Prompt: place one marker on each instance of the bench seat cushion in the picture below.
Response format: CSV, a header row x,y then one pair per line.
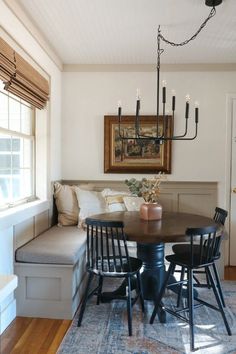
x,y
58,245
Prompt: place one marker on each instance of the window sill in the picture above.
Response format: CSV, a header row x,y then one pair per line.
x,y
16,215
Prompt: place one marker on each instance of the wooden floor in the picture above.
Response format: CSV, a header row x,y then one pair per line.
x,y
230,273
33,336
37,335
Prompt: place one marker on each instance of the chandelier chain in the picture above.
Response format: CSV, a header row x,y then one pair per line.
x,y
211,14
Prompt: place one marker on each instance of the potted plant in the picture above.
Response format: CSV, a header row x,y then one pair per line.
x,y
149,189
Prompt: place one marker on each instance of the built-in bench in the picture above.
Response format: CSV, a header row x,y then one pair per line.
x,y
51,272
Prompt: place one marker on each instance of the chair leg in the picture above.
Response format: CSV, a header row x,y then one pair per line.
x,y
196,280
218,299
140,290
191,308
172,271
218,284
99,289
129,306
161,293
85,299
180,286
207,279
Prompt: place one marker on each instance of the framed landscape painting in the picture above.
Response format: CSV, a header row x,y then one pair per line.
x,y
129,156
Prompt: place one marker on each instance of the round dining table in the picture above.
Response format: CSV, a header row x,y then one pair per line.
x,y
151,237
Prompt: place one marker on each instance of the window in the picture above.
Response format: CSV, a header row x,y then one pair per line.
x,y
17,141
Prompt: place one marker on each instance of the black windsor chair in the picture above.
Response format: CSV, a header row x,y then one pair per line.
x,y
107,256
219,217
208,245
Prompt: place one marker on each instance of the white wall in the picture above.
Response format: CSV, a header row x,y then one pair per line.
x,y
88,96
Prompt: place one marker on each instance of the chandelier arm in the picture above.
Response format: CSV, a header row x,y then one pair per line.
x,y
149,137
137,123
163,122
186,138
120,135
211,14
119,125
185,132
191,138
158,95
152,138
159,52
174,137
165,126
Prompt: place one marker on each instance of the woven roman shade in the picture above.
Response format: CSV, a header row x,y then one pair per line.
x,y
7,66
21,79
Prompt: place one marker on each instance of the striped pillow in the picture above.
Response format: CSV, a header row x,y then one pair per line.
x,y
114,199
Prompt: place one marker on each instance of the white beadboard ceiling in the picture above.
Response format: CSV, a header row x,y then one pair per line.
x,y
124,31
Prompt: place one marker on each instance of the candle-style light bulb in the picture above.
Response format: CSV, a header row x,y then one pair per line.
x,y
138,94
164,83
187,97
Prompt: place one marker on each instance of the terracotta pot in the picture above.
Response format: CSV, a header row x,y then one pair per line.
x,y
150,211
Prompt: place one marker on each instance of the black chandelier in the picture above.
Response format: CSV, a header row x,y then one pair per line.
x,y
166,133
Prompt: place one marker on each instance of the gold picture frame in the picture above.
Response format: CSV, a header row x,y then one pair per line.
x,y
132,157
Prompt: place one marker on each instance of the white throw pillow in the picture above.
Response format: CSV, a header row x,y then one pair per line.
x,y
133,203
114,199
90,203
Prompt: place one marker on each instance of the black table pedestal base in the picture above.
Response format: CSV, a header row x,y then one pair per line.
x,y
152,275
153,271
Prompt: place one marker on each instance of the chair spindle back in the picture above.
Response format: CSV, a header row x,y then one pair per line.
x,y
208,240
220,215
107,249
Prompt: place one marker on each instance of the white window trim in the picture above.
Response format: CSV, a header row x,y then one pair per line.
x,y
20,213
28,137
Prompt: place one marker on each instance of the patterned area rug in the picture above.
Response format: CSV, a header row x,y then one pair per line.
x,y
104,329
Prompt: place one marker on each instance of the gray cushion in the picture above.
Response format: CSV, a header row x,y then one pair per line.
x,y
58,245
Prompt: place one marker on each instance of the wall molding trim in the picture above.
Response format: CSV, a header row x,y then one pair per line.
x,y
148,67
18,11
191,197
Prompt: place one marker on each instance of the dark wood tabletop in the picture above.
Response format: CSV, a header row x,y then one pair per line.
x,y
171,228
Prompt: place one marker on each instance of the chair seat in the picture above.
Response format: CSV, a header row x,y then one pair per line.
x,y
181,248
113,267
184,248
183,260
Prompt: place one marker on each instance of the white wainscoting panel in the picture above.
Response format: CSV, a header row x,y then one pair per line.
x,y
23,232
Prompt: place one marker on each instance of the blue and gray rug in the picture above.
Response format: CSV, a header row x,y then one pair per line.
x,y
104,329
